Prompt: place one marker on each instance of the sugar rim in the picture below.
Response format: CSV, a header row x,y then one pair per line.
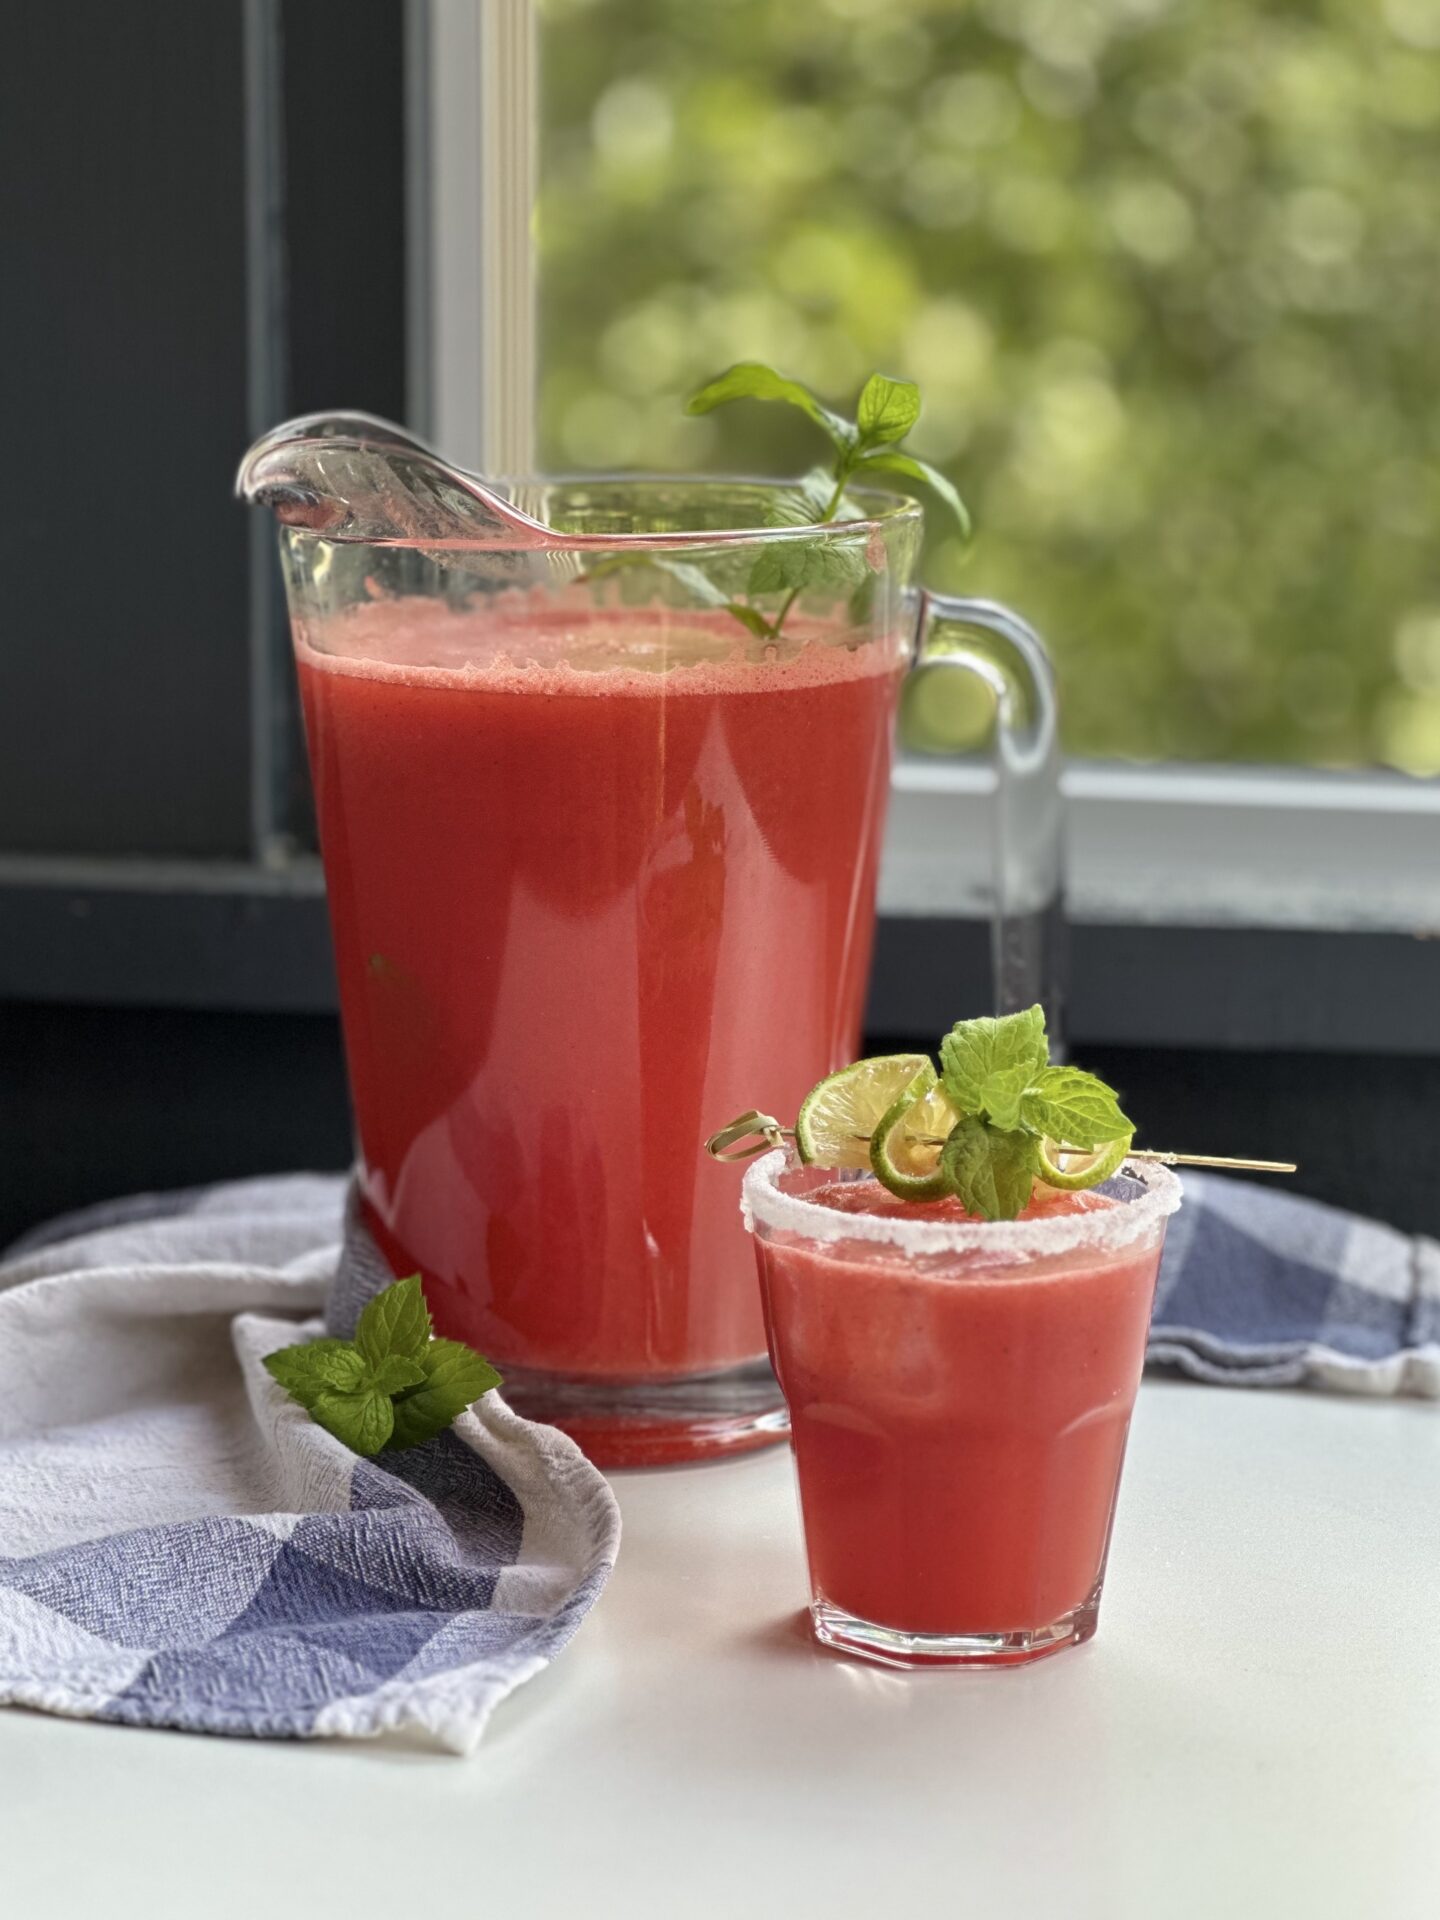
x,y
762,1201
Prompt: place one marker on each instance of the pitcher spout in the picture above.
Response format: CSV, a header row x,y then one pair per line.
x,y
351,476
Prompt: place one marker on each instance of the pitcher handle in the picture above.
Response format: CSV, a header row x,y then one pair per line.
x,y
1027,833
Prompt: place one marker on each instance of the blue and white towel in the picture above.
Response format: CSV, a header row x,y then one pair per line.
x,y
181,1545
1261,1288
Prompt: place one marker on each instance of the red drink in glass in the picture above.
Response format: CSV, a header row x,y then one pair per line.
x,y
960,1396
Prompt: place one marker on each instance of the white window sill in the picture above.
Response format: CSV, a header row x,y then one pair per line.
x,y
1186,846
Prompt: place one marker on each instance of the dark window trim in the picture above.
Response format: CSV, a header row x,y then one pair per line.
x,y
230,936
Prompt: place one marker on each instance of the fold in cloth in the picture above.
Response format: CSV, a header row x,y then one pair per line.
x,y
182,1546
1260,1288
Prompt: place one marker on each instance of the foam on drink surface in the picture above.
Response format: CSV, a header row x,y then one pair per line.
x,y
869,1197
551,648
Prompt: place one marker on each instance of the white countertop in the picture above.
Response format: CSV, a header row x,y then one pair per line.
x,y
1254,1732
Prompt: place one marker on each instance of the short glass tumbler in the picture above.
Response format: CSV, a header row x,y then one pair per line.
x,y
960,1394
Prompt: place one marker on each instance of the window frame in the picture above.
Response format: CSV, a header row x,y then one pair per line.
x,y
1187,845
237,936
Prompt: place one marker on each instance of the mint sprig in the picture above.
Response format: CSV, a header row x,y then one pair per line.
x,y
999,1119
987,1065
997,1076
990,1169
869,444
394,1385
753,380
1077,1108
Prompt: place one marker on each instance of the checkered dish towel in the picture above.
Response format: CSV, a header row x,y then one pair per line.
x,y
181,1545
1261,1288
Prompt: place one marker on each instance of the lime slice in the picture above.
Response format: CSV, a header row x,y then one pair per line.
x,y
1071,1168
905,1150
834,1126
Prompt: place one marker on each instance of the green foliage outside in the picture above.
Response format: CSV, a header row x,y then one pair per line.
x,y
1167,272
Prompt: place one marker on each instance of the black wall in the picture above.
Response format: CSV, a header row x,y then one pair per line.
x,y
96,1102
201,231
123,670
130,386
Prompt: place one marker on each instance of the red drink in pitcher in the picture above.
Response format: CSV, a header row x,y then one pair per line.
x,y
601,769
576,912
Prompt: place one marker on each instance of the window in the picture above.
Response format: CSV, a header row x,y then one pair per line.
x,y
1167,274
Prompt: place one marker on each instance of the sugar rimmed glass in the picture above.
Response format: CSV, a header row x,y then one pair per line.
x,y
960,1395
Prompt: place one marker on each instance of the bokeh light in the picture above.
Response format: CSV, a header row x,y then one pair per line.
x,y
1166,270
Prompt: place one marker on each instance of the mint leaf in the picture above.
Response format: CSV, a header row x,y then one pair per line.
x,y
750,380
779,567
891,461
752,618
702,589
394,1374
1074,1108
807,503
314,1367
395,1321
695,580
361,1421
453,1368
836,563
455,1377
697,583
974,1050
1000,1096
791,565
991,1170
888,409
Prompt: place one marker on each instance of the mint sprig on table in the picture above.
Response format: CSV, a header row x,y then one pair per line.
x,y
865,446
994,1120
394,1385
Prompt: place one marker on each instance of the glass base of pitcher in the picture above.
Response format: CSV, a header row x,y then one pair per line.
x,y
656,1423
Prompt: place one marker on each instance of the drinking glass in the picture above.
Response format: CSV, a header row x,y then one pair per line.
x,y
960,1394
601,769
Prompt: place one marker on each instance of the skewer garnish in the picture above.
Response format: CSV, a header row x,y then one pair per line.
x,y
765,1133
995,1119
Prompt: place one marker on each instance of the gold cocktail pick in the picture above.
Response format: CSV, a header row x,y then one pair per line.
x,y
724,1145
1212,1160
762,1131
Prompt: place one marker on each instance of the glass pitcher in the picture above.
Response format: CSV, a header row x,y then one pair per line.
x,y
601,769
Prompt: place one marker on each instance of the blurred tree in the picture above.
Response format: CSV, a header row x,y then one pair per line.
x,y
1167,272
